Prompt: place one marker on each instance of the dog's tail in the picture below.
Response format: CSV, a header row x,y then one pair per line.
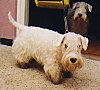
x,y
11,20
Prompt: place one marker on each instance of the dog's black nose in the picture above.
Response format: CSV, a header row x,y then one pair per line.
x,y
73,60
80,15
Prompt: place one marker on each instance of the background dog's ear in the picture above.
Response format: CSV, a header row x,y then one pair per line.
x,y
89,7
75,5
84,42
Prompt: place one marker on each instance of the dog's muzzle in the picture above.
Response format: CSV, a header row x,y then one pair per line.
x,y
79,16
72,61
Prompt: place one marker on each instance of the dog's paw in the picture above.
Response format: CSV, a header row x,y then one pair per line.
x,y
53,73
23,65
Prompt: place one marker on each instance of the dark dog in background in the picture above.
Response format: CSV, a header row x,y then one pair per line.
x,y
78,18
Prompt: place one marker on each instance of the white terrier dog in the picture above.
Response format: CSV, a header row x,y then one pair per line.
x,y
56,52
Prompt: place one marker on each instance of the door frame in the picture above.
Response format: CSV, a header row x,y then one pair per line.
x,y
22,13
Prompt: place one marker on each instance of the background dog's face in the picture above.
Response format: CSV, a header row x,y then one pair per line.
x,y
81,9
72,45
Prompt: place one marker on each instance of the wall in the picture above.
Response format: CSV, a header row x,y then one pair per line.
x,y
6,29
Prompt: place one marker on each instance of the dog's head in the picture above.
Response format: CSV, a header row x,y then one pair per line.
x,y
71,46
81,9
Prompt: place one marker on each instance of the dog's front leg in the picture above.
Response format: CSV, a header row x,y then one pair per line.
x,y
53,71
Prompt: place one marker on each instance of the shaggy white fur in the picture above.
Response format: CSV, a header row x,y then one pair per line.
x,y
56,52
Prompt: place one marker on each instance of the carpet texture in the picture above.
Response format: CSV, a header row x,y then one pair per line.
x,y
14,78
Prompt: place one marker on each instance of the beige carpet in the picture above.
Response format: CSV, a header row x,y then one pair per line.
x,y
14,78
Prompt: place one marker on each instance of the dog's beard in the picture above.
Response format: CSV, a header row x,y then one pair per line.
x,y
70,66
80,19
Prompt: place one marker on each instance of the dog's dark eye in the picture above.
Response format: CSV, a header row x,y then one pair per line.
x,y
76,7
66,46
79,46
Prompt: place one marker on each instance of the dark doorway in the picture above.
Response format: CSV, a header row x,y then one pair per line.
x,y
46,17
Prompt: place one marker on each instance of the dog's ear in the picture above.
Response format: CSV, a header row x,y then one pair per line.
x,y
84,42
75,5
59,41
89,7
